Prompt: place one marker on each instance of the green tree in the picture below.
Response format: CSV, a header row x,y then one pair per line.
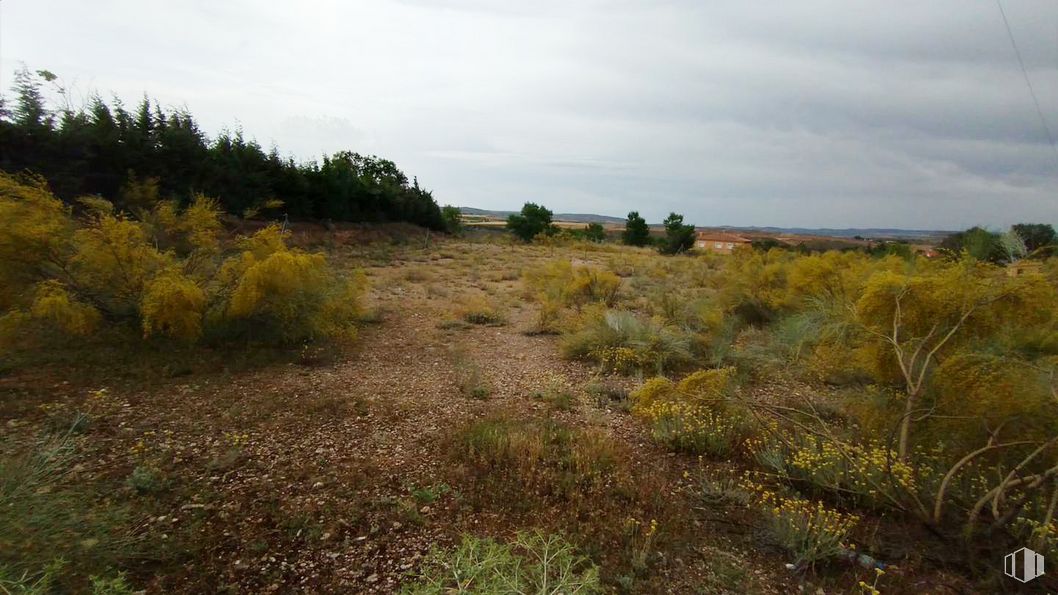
x,y
594,232
1035,235
978,242
95,149
532,221
636,233
678,236
453,219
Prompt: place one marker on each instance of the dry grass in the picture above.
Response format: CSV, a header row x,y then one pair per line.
x,y
321,470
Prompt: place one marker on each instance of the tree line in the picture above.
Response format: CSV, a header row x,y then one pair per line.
x,y
104,149
1023,240
536,220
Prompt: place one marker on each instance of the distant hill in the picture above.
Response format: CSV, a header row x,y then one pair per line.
x,y
848,233
874,233
574,217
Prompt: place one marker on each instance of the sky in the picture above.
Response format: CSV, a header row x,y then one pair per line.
x,y
790,114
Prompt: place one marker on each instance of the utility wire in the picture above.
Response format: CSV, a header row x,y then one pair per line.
x,y
1028,82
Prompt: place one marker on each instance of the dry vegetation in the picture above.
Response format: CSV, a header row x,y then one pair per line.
x,y
574,418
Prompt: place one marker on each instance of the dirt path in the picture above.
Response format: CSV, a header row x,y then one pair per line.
x,y
327,476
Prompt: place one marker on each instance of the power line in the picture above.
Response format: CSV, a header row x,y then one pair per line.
x,y
1028,82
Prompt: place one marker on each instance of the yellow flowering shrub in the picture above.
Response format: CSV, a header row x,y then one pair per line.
x,y
710,386
287,292
624,343
54,304
810,531
114,260
695,428
868,474
34,239
691,415
570,285
173,305
162,272
618,359
865,474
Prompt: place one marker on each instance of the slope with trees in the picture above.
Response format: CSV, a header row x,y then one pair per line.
x,y
99,148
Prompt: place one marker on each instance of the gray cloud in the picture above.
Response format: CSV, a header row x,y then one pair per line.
x,y
810,113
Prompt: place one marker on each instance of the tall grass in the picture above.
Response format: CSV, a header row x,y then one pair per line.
x,y
52,533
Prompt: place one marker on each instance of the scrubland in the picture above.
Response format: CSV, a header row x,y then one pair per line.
x,y
185,410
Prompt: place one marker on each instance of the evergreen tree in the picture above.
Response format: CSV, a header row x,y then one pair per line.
x,y
637,232
678,237
103,147
594,232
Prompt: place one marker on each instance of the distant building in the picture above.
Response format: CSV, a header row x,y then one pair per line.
x,y
1024,267
719,242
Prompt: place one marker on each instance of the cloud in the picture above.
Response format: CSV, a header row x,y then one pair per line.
x,y
816,113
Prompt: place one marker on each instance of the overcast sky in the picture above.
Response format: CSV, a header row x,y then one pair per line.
x,y
813,114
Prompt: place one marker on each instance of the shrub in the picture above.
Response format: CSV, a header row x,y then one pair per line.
x,y
810,531
860,474
481,310
695,429
145,479
286,294
692,415
163,273
560,282
622,343
534,563
556,393
544,458
173,305
608,395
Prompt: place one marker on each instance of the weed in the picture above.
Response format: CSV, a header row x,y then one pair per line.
x,y
534,563
479,310
640,542
44,521
452,324
430,494
470,378
27,583
115,585
556,394
810,531
543,458
723,490
607,395
146,479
